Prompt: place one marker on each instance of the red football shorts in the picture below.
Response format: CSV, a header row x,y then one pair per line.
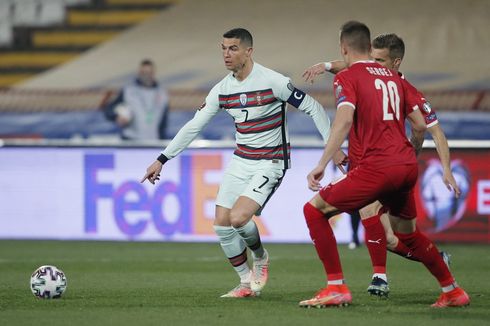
x,y
391,185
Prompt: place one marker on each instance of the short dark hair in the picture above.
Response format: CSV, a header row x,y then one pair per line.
x,y
392,42
356,35
242,34
146,62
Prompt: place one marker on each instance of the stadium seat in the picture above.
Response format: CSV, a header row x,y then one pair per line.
x,y
5,10
25,12
51,12
6,34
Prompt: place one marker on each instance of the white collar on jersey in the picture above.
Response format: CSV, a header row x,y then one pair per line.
x,y
364,61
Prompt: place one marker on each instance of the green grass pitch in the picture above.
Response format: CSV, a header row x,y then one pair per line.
x,y
121,283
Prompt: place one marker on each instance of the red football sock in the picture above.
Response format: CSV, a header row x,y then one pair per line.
x,y
425,251
324,240
402,250
376,243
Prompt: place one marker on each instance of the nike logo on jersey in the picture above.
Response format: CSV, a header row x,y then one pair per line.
x,y
255,190
375,241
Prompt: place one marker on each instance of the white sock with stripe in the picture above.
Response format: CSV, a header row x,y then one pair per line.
x,y
235,250
250,234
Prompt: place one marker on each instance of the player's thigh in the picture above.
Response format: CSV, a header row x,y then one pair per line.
x,y
355,190
400,201
222,216
401,204
234,182
324,207
243,210
263,183
370,210
402,225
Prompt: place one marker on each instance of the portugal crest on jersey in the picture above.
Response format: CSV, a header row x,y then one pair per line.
x,y
243,99
258,98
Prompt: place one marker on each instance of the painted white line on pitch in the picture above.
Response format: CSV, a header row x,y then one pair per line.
x,y
163,259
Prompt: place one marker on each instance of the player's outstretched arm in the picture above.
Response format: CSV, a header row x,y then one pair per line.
x,y
183,138
340,129
417,122
442,148
312,72
316,111
284,90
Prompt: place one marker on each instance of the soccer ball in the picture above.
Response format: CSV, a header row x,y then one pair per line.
x,y
48,282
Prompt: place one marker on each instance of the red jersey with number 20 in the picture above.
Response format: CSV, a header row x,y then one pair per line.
x,y
381,102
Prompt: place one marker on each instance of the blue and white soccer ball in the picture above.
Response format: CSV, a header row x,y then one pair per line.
x,y
442,207
48,282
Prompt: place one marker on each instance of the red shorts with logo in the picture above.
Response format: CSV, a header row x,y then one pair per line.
x,y
391,185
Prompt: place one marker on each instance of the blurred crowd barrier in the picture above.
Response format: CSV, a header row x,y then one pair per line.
x,y
48,100
27,113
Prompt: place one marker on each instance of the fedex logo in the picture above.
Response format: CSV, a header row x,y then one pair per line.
x,y
131,198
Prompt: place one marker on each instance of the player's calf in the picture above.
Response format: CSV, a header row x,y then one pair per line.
x,y
446,257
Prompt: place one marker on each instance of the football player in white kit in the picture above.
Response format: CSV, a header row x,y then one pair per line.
x,y
256,98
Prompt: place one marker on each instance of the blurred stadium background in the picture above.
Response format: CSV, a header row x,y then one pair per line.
x,y
85,49
66,175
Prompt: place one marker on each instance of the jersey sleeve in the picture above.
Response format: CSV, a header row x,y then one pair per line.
x,y
344,91
194,126
429,114
415,100
285,91
316,111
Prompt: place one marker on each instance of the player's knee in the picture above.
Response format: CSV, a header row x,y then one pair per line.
x,y
238,218
310,209
307,208
391,240
325,211
370,210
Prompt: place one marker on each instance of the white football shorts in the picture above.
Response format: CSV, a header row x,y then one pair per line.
x,y
257,180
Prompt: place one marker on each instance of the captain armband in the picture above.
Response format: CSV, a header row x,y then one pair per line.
x,y
296,97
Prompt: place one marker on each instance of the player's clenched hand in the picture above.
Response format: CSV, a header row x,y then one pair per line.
x,y
450,183
315,70
314,178
340,160
153,172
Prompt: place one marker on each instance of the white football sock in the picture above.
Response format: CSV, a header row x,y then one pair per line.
x,y
335,282
381,276
250,234
233,246
449,288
